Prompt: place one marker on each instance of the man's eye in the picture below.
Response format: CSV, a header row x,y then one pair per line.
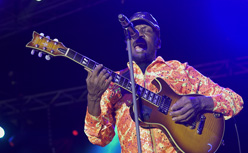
x,y
147,31
144,30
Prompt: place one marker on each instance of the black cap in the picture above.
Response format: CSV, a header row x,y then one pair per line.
x,y
145,17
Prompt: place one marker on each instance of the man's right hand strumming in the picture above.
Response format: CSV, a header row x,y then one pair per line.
x,y
97,83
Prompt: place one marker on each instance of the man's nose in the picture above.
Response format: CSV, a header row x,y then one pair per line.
x,y
141,33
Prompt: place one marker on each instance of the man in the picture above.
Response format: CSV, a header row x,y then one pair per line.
x,y
109,105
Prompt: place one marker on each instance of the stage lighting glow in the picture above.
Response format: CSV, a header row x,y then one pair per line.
x,y
2,132
11,143
75,132
113,146
38,0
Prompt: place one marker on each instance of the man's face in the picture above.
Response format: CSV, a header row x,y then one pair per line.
x,y
144,48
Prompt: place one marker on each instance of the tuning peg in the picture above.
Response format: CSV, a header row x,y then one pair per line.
x,y
47,57
41,35
32,51
40,54
48,38
56,40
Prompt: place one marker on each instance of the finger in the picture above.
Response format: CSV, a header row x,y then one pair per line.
x,y
105,77
179,104
96,70
88,77
100,79
109,79
184,117
107,82
178,112
89,73
181,111
102,74
188,119
87,69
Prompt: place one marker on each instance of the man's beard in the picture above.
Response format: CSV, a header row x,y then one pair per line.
x,y
143,59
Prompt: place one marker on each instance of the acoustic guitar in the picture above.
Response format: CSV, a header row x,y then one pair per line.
x,y
204,134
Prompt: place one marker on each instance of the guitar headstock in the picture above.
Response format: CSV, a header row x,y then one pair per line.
x,y
46,45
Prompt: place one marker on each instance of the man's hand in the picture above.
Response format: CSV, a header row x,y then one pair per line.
x,y
187,107
97,83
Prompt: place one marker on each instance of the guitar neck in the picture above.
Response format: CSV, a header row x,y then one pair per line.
x,y
56,48
117,79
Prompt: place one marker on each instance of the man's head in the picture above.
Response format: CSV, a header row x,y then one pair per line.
x,y
145,18
145,47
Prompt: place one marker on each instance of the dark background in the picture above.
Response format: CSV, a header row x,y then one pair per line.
x,y
193,31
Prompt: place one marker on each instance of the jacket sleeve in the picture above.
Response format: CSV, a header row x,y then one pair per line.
x,y
100,129
225,100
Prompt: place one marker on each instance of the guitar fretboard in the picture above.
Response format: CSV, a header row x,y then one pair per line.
x,y
162,101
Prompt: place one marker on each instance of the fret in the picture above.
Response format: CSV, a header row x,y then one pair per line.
x,y
145,94
78,58
108,71
113,76
125,82
91,64
150,96
156,99
75,55
85,61
71,53
129,86
117,78
96,64
139,90
159,100
121,81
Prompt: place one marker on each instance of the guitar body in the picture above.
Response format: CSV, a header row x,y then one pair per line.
x,y
182,136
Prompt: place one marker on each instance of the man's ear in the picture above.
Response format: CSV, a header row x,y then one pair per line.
x,y
158,43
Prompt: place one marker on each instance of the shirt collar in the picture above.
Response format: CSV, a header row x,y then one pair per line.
x,y
137,69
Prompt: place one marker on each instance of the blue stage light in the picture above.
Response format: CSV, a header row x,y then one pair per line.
x,y
113,146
